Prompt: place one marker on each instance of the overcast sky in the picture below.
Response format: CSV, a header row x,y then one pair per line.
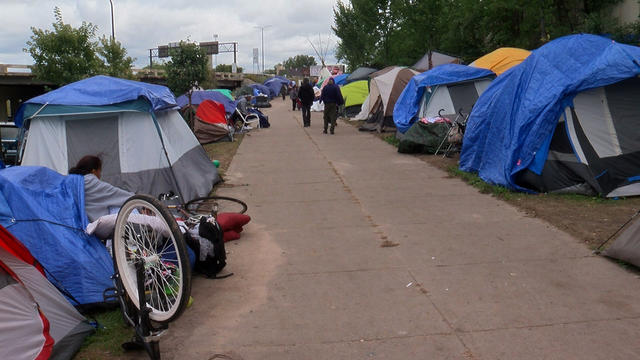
x,y
144,24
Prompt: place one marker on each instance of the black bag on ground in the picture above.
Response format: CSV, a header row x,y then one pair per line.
x,y
211,256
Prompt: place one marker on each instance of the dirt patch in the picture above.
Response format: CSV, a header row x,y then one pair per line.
x,y
588,218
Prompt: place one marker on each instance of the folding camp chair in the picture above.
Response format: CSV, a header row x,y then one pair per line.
x,y
243,122
455,133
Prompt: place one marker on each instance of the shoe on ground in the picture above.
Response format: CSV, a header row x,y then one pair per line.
x,y
324,131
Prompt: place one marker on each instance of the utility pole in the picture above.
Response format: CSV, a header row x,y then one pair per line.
x,y
113,31
262,31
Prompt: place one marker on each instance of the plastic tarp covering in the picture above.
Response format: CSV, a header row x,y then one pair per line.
x,y
275,85
424,138
355,93
45,210
102,90
225,92
261,89
501,60
520,109
341,79
408,103
199,96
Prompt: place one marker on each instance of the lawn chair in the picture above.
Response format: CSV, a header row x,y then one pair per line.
x,y
243,122
455,134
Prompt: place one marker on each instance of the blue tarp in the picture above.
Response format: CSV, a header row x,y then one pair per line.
x,y
408,104
274,85
45,211
201,95
261,88
519,111
340,79
102,90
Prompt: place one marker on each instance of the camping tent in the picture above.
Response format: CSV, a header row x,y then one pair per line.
x,y
275,84
210,124
199,96
36,321
563,120
53,229
354,95
144,143
450,87
501,59
225,92
385,88
361,73
436,59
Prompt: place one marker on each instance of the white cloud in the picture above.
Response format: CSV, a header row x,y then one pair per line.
x,y
144,24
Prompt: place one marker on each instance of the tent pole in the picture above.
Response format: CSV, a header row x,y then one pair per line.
x,y
164,148
597,250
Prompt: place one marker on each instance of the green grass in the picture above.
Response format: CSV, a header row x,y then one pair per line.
x,y
391,139
485,188
107,340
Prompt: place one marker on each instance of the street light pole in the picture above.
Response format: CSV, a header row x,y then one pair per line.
x,y
113,31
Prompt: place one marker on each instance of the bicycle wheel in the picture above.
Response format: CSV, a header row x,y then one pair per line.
x,y
215,204
145,231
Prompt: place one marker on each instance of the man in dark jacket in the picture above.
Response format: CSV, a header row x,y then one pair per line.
x,y
306,96
332,98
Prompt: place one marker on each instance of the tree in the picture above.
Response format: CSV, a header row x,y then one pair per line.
x,y
117,63
65,54
299,62
187,69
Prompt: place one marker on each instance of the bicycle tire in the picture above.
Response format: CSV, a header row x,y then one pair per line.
x,y
205,205
145,230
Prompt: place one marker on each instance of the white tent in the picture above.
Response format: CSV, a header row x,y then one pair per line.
x,y
144,143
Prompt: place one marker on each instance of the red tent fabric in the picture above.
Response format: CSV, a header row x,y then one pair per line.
x,y
211,112
36,321
211,123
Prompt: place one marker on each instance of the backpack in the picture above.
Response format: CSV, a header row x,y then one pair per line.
x,y
206,240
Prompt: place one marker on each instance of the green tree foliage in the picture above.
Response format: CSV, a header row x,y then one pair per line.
x,y
116,61
227,68
299,62
188,68
399,32
65,54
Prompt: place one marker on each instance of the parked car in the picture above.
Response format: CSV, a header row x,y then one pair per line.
x,y
10,135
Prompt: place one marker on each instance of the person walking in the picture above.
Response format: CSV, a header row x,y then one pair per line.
x,y
293,94
332,98
283,91
306,96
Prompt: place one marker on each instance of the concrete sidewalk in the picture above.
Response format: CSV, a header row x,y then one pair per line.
x,y
357,252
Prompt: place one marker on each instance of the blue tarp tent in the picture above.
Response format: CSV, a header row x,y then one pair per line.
x,y
98,91
513,121
261,89
340,79
199,96
274,85
406,108
45,211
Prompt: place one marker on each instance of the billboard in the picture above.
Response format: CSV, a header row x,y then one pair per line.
x,y
333,69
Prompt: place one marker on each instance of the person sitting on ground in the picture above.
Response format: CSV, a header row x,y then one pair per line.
x,y
99,197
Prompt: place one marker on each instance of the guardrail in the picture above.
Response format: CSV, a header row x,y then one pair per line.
x,y
6,69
